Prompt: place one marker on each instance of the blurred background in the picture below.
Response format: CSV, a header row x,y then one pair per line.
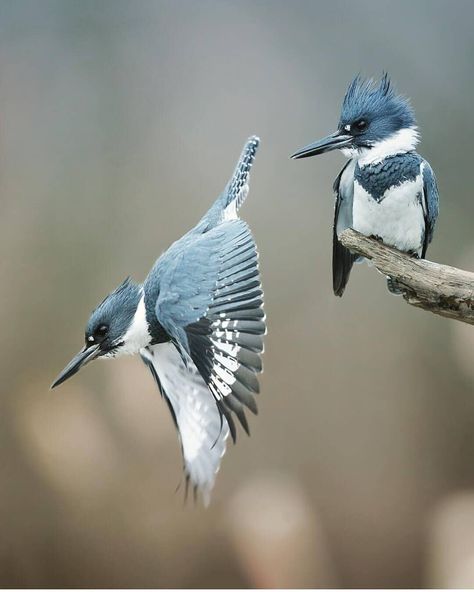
x,y
120,122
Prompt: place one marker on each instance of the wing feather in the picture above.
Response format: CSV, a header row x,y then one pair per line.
x,y
209,302
202,430
218,319
342,258
430,204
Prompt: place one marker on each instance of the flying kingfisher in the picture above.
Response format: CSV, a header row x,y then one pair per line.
x,y
386,190
198,324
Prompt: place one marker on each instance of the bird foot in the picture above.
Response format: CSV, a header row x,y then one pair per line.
x,y
376,237
394,287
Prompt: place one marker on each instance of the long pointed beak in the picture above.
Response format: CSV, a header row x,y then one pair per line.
x,y
332,142
86,355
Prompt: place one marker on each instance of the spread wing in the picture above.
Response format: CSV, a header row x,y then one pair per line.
x,y
342,258
430,204
202,431
211,304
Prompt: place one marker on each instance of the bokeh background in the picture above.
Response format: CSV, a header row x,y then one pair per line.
x,y
120,121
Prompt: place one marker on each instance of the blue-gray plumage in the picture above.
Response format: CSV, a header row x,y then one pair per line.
x,y
430,204
392,171
198,323
387,189
105,319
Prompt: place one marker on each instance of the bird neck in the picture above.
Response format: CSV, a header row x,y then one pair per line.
x,y
138,334
404,140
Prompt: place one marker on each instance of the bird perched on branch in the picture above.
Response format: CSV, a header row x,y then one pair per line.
x,y
386,190
198,324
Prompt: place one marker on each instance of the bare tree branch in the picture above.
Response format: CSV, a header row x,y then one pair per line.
x,y
443,290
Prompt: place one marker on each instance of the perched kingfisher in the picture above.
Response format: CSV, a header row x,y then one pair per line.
x,y
386,190
198,324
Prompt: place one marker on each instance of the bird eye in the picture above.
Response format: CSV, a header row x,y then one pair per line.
x,y
97,336
359,125
101,331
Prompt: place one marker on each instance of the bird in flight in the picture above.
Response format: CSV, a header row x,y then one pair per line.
x,y
386,190
197,322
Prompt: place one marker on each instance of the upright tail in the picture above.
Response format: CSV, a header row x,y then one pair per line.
x,y
237,188
229,201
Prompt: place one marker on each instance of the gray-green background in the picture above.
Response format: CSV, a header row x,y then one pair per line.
x,y
120,122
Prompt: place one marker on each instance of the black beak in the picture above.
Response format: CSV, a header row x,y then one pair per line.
x,y
332,142
87,354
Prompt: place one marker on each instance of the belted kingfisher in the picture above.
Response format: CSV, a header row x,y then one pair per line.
x,y
386,190
198,324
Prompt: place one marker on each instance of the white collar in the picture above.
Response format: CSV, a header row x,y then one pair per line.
x,y
405,140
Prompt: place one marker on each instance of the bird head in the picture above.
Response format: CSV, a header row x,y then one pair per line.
x,y
117,326
372,114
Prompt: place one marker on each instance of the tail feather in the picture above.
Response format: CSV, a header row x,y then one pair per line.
x,y
237,188
342,262
229,201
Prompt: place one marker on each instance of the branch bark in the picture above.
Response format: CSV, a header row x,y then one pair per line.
x,y
440,289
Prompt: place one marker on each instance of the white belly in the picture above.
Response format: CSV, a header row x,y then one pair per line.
x,y
397,218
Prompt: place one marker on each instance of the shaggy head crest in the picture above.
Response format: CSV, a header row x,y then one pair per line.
x,y
379,106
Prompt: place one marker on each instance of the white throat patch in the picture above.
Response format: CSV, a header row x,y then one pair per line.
x,y
137,335
402,141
